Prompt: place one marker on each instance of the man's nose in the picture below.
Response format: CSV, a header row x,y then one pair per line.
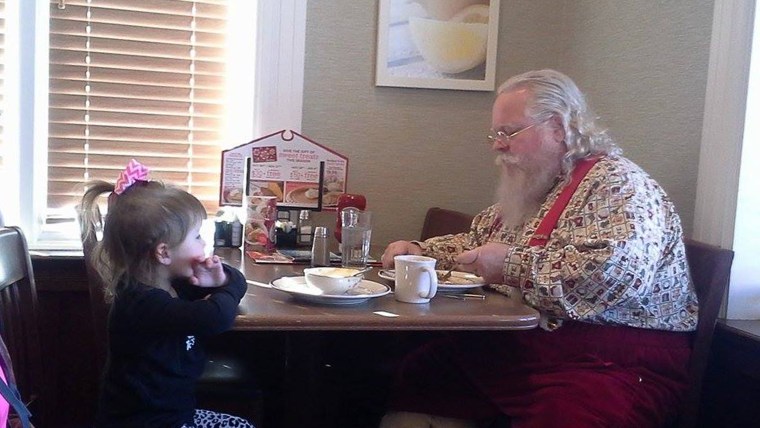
x,y
499,145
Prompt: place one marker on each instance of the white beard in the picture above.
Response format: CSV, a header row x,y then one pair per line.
x,y
525,182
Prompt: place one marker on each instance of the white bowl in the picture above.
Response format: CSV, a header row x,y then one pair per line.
x,y
454,44
332,280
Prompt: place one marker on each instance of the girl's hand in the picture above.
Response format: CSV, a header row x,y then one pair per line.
x,y
209,273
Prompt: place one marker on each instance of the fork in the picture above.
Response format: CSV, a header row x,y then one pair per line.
x,y
447,275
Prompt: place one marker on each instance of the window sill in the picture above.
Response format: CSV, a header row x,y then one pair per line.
x,y
56,254
54,237
63,240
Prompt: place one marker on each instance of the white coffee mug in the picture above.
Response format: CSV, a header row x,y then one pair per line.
x,y
416,279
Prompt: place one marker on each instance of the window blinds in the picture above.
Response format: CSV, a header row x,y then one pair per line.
x,y
141,79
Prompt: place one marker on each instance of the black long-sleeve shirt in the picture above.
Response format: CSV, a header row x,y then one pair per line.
x,y
155,355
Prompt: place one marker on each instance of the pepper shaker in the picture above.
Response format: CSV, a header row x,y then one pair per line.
x,y
320,254
222,232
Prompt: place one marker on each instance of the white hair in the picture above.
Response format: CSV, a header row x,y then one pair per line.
x,y
555,94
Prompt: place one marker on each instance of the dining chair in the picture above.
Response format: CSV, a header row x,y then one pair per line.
x,y
710,268
441,221
19,319
227,383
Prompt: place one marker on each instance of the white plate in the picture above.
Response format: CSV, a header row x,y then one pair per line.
x,y
473,281
388,274
297,287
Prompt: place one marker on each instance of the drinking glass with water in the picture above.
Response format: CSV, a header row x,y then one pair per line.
x,y
357,232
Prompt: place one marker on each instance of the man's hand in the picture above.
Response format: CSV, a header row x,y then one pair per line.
x,y
399,248
208,273
486,261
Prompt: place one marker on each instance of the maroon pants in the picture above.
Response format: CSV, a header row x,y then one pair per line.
x,y
581,375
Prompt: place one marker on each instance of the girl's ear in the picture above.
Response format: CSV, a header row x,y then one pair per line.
x,y
162,254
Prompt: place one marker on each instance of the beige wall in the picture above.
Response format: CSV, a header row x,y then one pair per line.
x,y
642,64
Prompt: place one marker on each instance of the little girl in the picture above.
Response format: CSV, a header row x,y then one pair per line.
x,y
166,297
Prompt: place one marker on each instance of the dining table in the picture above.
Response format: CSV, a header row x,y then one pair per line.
x,y
375,326
266,308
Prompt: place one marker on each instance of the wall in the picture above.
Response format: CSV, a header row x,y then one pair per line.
x,y
643,66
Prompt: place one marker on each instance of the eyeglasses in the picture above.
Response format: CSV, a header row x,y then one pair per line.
x,y
504,138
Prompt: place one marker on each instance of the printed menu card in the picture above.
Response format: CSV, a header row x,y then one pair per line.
x,y
286,165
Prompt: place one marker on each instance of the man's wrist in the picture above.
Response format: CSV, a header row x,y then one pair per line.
x,y
420,244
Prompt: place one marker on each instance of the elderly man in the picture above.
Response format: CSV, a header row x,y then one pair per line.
x,y
592,242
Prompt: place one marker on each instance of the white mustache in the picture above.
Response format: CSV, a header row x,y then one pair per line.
x,y
506,159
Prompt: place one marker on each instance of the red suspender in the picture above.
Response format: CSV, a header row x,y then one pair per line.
x,y
549,222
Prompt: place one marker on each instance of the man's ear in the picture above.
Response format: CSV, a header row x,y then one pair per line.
x,y
162,253
558,129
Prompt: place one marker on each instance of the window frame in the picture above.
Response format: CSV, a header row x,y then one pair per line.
x,y
280,31
723,205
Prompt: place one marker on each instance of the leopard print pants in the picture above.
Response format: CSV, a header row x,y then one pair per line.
x,y
209,419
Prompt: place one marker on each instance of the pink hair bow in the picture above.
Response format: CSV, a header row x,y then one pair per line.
x,y
135,171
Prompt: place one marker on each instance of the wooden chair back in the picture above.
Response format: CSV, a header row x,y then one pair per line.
x,y
710,268
19,317
441,221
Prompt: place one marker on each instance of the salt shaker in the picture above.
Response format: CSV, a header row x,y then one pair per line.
x,y
305,231
236,235
320,255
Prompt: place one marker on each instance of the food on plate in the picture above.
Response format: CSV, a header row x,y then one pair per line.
x,y
458,278
303,195
232,195
263,191
262,209
334,186
267,188
276,189
334,272
331,198
311,193
255,234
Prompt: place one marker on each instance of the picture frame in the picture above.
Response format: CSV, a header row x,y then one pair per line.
x,y
437,44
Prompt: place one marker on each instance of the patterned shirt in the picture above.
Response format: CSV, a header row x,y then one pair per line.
x,y
616,255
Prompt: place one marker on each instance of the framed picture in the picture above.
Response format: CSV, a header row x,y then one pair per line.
x,y
440,44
